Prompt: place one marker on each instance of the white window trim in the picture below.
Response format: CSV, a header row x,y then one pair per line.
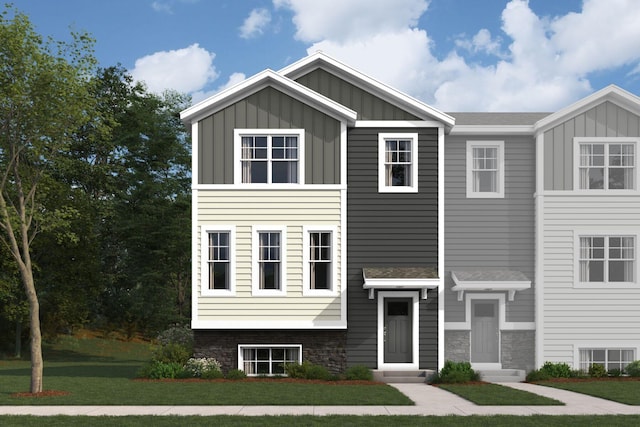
x,y
237,155
501,164
577,233
204,258
599,345
306,283
382,188
245,346
604,140
255,265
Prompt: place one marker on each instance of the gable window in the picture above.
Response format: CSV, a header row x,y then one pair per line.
x,y
319,256
267,359
269,263
218,260
485,169
269,156
607,166
607,259
398,162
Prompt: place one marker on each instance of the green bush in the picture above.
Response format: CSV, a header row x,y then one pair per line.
x,y
172,353
159,370
615,372
235,374
633,369
455,372
537,375
358,372
203,367
307,370
182,335
212,374
597,370
557,370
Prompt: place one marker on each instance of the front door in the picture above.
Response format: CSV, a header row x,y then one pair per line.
x,y
398,321
484,331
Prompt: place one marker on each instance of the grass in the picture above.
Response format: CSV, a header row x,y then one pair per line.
x,y
98,371
339,420
495,394
623,391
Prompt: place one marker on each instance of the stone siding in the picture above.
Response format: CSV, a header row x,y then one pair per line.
x,y
518,350
457,346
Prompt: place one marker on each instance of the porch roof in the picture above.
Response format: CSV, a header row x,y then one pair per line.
x,y
386,278
490,280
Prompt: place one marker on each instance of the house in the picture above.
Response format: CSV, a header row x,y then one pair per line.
x,y
339,221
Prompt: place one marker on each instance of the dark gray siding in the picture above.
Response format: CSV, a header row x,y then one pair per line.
x,y
389,229
368,106
605,120
269,109
490,233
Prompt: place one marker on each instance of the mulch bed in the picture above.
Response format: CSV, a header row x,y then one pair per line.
x,y
46,393
580,380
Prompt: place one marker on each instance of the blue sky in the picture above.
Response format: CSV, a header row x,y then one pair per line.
x,y
456,55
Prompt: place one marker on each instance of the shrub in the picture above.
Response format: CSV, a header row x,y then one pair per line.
x,y
358,372
236,374
537,375
455,372
597,370
182,335
557,370
212,375
159,370
204,367
615,372
633,369
172,353
307,371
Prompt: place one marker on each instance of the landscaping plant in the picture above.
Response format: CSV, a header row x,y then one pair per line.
x,y
633,369
455,372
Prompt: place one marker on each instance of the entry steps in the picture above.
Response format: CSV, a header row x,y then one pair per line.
x,y
417,376
502,375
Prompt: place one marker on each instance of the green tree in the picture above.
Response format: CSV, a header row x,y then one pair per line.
x,y
44,99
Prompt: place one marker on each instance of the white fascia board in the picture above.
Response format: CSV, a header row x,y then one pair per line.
x,y
268,324
318,59
492,130
260,81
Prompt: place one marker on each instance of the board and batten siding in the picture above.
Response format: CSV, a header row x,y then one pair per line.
x,y
368,106
572,316
269,109
389,229
291,208
488,233
604,120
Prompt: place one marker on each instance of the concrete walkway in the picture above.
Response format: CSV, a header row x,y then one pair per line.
x,y
429,401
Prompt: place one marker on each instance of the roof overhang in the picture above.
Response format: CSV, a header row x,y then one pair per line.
x,y
394,278
492,130
494,280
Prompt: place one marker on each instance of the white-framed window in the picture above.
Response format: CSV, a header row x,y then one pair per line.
x,y
319,260
269,274
606,164
269,156
610,358
218,260
398,162
607,259
485,169
267,359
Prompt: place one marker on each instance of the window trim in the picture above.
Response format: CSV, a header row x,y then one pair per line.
x,y
242,347
606,284
237,155
577,141
306,282
633,346
255,260
382,187
204,258
471,194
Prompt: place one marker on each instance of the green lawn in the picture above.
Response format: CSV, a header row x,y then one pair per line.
x,y
100,372
495,394
623,391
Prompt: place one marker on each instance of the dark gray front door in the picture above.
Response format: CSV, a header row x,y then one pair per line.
x,y
398,330
484,331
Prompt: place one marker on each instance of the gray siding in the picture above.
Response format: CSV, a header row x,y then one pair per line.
x,y
490,233
368,106
389,229
605,120
269,109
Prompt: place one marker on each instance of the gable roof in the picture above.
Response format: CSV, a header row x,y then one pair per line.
x,y
267,78
369,84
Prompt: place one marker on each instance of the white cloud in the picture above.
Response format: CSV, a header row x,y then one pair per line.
x,y
255,23
482,42
162,7
234,79
184,70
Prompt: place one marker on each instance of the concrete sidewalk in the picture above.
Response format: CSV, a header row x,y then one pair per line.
x,y
429,401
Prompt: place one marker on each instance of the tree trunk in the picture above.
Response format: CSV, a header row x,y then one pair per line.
x,y
18,339
34,326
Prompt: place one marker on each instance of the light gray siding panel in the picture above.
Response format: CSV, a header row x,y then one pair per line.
x,y
269,109
489,234
604,120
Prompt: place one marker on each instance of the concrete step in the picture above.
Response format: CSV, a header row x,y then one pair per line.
x,y
418,376
502,375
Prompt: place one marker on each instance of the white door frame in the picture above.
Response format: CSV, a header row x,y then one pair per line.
x,y
501,313
415,297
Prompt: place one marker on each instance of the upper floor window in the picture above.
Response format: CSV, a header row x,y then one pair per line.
x,y
398,162
607,259
606,164
319,257
218,260
269,156
269,260
485,169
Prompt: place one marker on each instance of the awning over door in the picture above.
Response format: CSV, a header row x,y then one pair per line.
x,y
492,280
394,278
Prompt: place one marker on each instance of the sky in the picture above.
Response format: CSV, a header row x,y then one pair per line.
x,y
455,55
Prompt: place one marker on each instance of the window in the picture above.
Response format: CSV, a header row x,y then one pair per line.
x,y
266,359
269,156
218,258
398,162
319,256
268,260
485,169
607,259
605,163
610,358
